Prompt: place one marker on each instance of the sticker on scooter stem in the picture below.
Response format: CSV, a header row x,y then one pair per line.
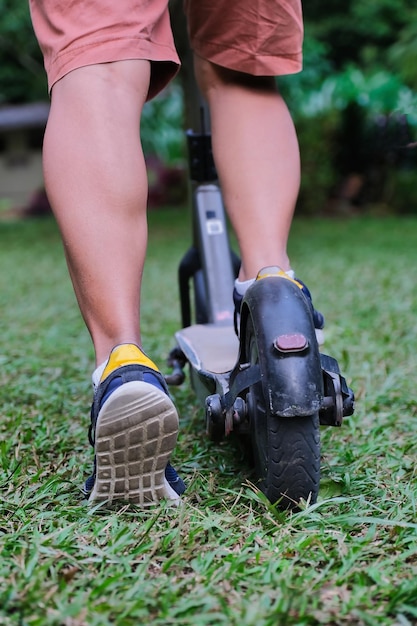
x,y
221,316
214,227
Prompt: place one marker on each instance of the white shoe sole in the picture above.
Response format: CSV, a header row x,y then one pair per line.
x,y
319,336
136,432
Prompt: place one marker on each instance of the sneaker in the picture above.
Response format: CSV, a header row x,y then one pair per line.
x,y
134,428
318,318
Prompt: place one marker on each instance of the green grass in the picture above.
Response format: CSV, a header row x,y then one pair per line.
x,y
225,556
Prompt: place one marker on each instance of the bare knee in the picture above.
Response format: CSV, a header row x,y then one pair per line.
x,y
104,84
211,77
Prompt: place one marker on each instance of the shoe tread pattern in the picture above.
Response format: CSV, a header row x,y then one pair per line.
x,y
135,434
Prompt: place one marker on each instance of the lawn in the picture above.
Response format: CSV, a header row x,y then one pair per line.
x,y
225,556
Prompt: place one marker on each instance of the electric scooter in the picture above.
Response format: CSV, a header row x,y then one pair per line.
x,y
260,376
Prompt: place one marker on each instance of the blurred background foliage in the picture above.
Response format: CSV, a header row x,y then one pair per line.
x,y
21,66
354,105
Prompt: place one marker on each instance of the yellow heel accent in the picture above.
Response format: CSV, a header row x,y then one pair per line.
x,y
126,354
275,271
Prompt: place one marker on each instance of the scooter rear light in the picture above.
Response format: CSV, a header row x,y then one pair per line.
x,y
291,342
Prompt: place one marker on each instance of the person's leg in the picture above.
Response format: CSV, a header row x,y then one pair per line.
x,y
257,158
100,70
96,181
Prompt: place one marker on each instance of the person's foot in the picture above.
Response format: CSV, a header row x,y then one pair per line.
x,y
318,318
134,428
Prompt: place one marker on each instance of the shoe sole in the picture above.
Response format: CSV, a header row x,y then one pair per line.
x,y
136,432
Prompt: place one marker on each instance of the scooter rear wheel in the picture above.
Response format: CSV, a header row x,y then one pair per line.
x,y
286,450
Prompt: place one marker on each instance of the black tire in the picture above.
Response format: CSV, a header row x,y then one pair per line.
x,y
286,451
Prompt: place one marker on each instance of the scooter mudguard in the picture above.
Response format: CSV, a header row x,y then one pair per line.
x,y
288,353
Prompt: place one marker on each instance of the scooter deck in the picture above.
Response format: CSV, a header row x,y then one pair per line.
x,y
209,347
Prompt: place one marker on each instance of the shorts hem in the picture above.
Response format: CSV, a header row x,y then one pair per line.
x,y
122,49
250,63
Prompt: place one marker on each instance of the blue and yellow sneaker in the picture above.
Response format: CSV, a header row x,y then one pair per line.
x,y
134,428
318,318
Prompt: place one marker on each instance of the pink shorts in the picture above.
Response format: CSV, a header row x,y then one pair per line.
x,y
262,38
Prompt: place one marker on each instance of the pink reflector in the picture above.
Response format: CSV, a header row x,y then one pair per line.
x,y
291,343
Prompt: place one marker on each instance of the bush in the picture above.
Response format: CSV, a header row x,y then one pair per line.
x,y
318,148
162,128
22,76
354,124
